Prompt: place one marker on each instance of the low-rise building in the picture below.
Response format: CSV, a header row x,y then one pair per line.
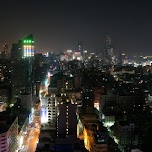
x,y
100,142
124,132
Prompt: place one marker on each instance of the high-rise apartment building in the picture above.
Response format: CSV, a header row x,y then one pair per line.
x,y
48,110
52,110
66,120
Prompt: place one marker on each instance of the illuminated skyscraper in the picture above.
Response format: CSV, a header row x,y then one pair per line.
x,y
23,49
108,51
22,57
28,46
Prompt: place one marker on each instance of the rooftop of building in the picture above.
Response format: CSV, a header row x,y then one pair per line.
x,y
91,126
88,111
101,137
69,145
124,123
126,68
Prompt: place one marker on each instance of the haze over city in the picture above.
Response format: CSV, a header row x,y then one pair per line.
x,y
75,76
59,25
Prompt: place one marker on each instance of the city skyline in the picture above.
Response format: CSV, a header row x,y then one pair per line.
x,y
60,25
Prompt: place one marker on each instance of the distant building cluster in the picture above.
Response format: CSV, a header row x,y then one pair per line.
x,y
93,102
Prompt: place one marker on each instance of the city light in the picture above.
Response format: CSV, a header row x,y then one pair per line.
x,y
43,115
28,41
28,50
106,85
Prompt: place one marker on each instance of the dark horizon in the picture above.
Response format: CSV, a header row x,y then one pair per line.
x,y
60,25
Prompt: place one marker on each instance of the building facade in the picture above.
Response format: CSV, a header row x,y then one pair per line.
x,y
67,120
9,139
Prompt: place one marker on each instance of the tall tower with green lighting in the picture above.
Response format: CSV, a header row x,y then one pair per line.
x,y
22,54
27,46
23,49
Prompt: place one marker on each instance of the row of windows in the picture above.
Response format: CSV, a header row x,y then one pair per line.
x,y
3,150
3,139
51,115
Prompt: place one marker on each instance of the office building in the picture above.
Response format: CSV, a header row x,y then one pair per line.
x,y
48,110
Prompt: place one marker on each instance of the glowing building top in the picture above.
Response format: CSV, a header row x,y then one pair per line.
x,y
28,46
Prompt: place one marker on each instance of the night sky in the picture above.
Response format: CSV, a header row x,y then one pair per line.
x,y
58,25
